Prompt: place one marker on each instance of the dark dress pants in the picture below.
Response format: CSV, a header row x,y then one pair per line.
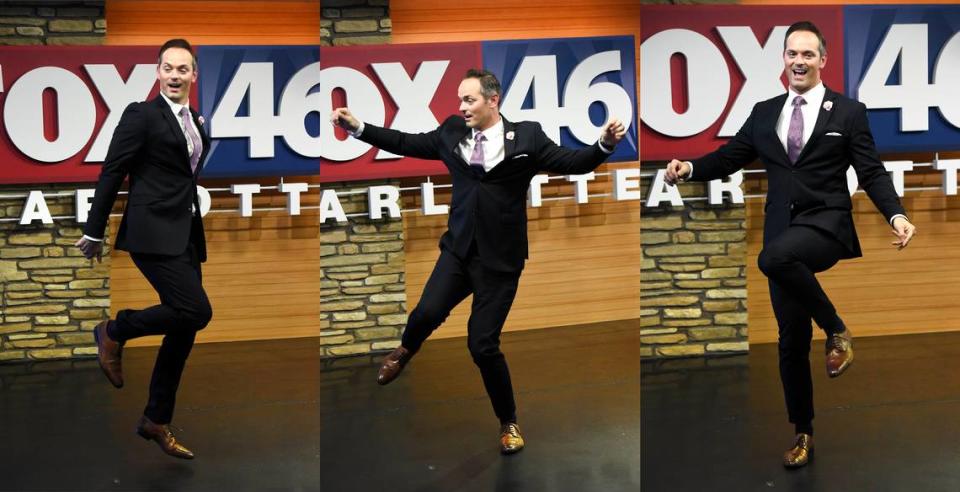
x,y
790,262
452,280
183,310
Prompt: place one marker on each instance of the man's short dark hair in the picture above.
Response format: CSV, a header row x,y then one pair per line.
x,y
809,27
177,43
489,85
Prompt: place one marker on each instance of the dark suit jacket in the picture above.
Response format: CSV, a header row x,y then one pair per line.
x,y
490,209
813,191
149,147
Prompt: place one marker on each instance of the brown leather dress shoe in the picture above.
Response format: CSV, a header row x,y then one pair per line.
x,y
801,453
163,437
393,363
839,349
510,439
109,354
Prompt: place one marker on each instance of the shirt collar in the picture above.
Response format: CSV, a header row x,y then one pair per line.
x,y
495,131
175,107
814,95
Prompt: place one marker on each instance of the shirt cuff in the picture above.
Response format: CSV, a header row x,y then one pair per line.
x,y
356,133
604,147
88,238
690,174
895,218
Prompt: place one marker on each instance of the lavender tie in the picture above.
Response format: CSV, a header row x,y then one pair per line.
x,y
795,133
193,136
476,160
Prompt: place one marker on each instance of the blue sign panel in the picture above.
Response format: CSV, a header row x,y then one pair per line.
x,y
903,62
262,109
570,86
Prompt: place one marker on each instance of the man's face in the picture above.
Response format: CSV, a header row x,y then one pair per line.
x,y
802,61
480,112
176,74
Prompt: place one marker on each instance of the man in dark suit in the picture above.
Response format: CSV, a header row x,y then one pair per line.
x,y
491,161
806,139
160,145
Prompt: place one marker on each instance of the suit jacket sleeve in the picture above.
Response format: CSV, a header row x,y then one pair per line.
x,y
556,159
420,145
871,173
128,139
730,157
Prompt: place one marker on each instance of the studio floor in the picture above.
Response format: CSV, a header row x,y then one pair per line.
x,y
271,416
891,423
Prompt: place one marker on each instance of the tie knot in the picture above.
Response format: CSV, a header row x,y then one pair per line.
x,y
799,101
480,137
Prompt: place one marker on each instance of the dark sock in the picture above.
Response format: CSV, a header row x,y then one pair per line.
x,y
805,428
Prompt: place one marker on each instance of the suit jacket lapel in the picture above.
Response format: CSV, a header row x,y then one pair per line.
x,y
455,149
770,121
509,139
823,117
175,128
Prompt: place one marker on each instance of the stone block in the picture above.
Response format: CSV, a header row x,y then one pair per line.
x,y
353,349
730,318
58,353
727,293
23,252
712,333
691,312
367,334
336,340
350,316
685,250
55,263
664,339
392,319
88,303
720,272
728,347
680,350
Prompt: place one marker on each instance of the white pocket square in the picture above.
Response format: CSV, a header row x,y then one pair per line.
x,y
519,156
834,134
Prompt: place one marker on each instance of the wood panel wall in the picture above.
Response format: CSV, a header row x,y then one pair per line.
x,y
584,259
886,292
263,272
151,22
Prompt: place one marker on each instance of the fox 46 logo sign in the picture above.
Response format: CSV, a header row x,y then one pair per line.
x,y
570,86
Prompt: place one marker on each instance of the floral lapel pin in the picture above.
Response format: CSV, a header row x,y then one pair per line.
x,y
509,135
827,105
200,119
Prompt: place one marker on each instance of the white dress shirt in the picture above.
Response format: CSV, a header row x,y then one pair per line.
x,y
809,111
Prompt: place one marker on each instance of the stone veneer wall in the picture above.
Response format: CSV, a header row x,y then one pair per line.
x,y
693,277
52,23
50,296
363,285
351,22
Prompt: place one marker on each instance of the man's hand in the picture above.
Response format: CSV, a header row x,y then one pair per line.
x,y
677,171
904,230
343,118
612,133
90,248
